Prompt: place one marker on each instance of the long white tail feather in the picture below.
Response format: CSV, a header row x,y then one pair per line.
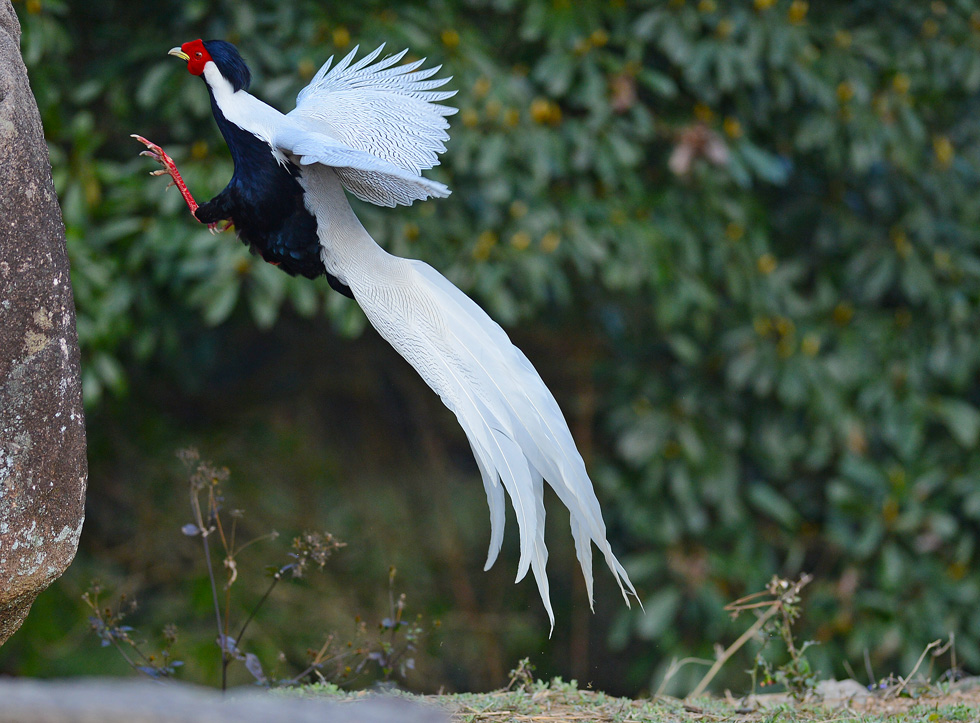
x,y
496,502
515,428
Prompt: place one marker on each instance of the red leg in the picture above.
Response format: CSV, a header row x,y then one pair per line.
x,y
170,168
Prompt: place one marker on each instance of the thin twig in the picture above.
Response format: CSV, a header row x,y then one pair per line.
x,y
868,669
222,637
742,640
674,668
275,580
905,681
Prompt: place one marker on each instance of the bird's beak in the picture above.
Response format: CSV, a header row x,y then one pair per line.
x,y
179,53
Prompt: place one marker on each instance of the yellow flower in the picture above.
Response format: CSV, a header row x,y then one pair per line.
x,y
599,38
703,113
843,39
901,83
306,68
889,511
481,87
341,37
942,147
761,5
469,117
544,111
732,128
811,345
520,240
843,313
725,28
512,117
930,28
797,11
766,264
707,6
762,325
958,570
199,150
845,92
411,231
550,242
518,209
540,110
450,38
484,243
902,246
734,231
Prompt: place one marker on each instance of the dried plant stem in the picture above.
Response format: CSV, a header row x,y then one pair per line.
x,y
672,670
905,681
222,637
275,580
730,651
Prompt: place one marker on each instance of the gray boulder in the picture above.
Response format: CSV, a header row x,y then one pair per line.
x,y
42,428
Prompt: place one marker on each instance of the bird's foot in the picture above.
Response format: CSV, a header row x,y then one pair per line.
x,y
169,168
213,227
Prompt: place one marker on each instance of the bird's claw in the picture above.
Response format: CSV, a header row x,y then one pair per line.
x,y
157,154
169,168
214,228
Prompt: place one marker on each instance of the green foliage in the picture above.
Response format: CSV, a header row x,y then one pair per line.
x,y
751,225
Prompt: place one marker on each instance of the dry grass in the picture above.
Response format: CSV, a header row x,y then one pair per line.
x,y
559,702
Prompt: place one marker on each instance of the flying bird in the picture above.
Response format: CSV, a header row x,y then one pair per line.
x,y
369,128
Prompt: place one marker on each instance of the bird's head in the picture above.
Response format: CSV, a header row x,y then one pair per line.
x,y
225,56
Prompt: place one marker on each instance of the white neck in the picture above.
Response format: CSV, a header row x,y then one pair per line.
x,y
240,107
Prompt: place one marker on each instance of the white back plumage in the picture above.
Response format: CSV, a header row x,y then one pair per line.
x,y
372,129
390,111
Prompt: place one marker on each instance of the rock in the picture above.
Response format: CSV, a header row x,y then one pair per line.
x,y
837,692
42,428
145,701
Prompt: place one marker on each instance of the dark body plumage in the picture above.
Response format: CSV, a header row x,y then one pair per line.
x,y
263,198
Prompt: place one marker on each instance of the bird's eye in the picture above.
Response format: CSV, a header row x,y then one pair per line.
x,y
198,54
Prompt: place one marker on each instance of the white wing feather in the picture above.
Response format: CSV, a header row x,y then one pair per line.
x,y
368,177
389,111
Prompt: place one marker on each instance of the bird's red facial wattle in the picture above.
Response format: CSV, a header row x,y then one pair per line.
x,y
195,54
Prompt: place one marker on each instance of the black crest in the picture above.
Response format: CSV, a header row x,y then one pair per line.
x,y
229,62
